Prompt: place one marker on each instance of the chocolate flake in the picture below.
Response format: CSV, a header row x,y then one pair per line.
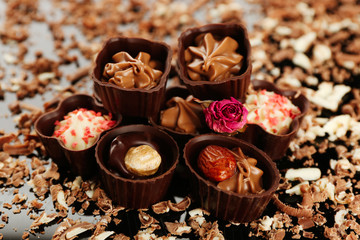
x,y
161,207
177,228
181,206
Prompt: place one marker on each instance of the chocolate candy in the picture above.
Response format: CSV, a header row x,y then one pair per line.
x,y
217,163
142,160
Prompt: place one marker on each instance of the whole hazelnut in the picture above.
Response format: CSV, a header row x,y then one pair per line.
x,y
142,160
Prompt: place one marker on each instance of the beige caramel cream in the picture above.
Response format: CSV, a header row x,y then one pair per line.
x,y
183,115
247,179
129,72
212,59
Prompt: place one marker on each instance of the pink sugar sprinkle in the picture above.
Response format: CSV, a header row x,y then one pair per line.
x,y
63,139
86,114
80,117
73,132
85,139
57,123
74,144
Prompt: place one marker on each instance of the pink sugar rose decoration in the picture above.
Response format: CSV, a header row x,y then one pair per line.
x,y
225,116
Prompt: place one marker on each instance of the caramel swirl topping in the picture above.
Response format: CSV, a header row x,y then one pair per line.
x,y
213,60
183,115
248,178
129,72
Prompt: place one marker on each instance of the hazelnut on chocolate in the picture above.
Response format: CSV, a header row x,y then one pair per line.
x,y
142,160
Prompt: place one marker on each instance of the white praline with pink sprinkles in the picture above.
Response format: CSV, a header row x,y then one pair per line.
x,y
271,111
81,127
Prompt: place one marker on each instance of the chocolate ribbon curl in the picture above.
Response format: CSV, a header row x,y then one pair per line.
x,y
248,178
182,115
129,72
213,60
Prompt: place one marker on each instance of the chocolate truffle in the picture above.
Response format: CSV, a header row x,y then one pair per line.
x,y
228,203
274,144
214,61
127,188
80,121
139,68
142,160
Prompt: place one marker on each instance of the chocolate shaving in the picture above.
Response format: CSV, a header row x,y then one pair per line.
x,y
306,222
25,148
70,229
181,206
6,139
79,74
161,207
146,220
43,220
177,228
295,212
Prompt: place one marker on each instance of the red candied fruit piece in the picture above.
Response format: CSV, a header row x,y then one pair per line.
x,y
217,163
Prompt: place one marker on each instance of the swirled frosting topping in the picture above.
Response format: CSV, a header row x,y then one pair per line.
x,y
213,59
182,115
128,72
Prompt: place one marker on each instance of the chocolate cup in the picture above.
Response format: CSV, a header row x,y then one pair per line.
x,y
235,86
131,102
79,162
137,193
275,145
228,205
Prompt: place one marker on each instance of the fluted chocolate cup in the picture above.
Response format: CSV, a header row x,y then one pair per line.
x,y
79,162
132,102
235,86
228,205
275,145
133,191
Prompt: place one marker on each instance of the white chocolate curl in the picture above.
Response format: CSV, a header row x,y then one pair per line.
x,y
142,160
